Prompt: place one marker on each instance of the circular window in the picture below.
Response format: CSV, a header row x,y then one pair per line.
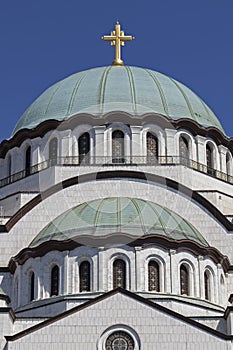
x,y
119,341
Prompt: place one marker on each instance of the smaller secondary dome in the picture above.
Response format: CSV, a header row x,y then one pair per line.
x,y
133,90
117,216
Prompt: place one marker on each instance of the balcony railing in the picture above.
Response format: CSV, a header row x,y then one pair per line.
x,y
109,161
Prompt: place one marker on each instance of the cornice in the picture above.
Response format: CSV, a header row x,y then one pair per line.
x,y
145,241
126,118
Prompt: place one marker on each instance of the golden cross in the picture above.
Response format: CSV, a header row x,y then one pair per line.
x,y
118,39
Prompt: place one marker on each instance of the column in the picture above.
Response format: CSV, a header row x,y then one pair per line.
x,y
139,286
173,273
100,146
171,145
136,144
102,281
200,275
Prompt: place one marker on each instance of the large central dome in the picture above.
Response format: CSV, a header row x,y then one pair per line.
x,y
128,89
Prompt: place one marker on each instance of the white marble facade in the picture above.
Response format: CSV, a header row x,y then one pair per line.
x,y
197,185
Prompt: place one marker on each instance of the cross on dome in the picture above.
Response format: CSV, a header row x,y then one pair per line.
x,y
118,39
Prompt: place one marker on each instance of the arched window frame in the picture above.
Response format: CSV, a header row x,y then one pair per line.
x,y
158,276
152,142
212,157
84,147
28,160
32,286
184,149
184,284
114,267
118,155
54,281
53,151
209,284
162,271
84,286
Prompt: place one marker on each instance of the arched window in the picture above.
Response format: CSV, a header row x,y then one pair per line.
x,y
119,340
53,151
84,148
84,277
209,160
183,150
119,274
118,151
54,281
152,148
28,161
207,284
184,280
32,286
153,276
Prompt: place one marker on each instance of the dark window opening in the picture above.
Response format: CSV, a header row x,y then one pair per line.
x,y
84,148
153,276
32,286
28,161
184,150
118,147
119,274
152,148
119,341
84,276
54,281
207,285
184,280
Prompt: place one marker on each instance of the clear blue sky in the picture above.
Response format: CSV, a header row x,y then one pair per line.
x,y
44,41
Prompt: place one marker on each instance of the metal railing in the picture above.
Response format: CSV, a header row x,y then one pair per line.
x,y
110,161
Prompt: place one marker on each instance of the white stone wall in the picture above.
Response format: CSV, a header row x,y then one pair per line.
x,y
101,266
88,328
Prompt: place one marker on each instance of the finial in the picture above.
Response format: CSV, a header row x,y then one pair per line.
x,y
118,39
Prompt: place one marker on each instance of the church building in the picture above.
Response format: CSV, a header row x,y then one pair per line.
x,y
116,216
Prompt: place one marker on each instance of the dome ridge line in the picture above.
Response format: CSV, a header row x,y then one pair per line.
x,y
98,211
102,86
177,222
132,87
185,97
162,96
50,100
139,214
205,107
75,89
158,216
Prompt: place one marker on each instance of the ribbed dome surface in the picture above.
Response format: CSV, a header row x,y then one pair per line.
x,y
118,215
129,89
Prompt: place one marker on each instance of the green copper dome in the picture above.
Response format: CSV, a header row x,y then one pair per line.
x,y
103,218
129,89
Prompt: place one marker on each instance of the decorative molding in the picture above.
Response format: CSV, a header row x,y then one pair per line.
x,y
145,241
70,123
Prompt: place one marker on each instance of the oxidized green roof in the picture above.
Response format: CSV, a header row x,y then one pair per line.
x,y
118,215
117,88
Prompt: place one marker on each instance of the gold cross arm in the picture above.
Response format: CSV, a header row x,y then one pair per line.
x,y
118,39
